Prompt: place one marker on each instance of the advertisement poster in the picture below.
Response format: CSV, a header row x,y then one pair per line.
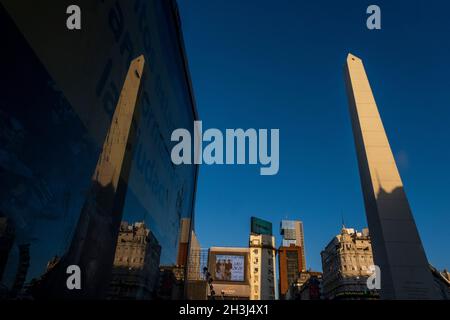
x,y
229,268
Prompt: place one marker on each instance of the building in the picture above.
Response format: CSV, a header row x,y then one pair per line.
x,y
183,241
171,283
136,263
262,259
291,254
446,274
290,266
230,271
188,250
6,242
307,287
197,290
197,286
441,283
108,111
346,265
22,270
193,259
397,246
263,267
292,232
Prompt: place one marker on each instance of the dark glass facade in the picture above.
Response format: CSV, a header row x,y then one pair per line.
x,y
58,93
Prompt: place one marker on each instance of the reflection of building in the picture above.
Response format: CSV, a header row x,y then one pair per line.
x,y
346,263
291,254
22,268
6,242
308,286
136,263
262,269
94,240
397,246
229,268
73,91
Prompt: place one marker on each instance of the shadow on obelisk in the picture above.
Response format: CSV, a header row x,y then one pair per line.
x,y
398,249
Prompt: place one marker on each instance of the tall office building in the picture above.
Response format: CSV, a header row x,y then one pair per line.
x,y
262,267
292,232
346,262
289,266
397,246
262,260
291,254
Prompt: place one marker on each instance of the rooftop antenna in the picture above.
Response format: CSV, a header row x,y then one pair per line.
x,y
342,217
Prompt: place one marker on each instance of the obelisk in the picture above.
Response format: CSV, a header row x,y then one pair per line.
x,y
396,244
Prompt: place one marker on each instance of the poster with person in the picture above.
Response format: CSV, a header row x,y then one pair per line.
x,y
229,268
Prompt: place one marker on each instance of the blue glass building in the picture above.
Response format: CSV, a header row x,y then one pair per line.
x,y
58,92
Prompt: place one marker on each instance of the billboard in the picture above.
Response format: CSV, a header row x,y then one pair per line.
x,y
229,268
260,226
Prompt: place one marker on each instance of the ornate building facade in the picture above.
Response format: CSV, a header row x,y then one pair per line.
x,y
346,263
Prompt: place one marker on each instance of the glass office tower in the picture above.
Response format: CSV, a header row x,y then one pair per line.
x,y
59,90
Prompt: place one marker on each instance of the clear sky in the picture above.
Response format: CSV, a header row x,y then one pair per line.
x,y
279,64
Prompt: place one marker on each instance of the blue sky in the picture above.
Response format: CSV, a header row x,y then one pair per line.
x,y
279,64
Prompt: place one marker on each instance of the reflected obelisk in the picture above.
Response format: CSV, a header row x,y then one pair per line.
x,y
93,244
398,250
